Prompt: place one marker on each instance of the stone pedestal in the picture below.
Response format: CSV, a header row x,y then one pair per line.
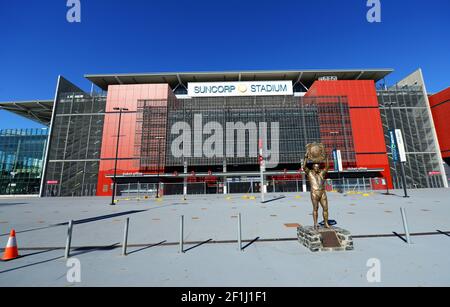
x,y
323,239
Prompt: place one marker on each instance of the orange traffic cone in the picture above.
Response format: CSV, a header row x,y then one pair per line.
x,y
11,250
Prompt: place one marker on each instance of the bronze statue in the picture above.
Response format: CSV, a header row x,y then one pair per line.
x,y
316,177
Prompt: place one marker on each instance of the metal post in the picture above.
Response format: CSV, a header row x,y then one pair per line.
x,y
115,160
117,153
139,192
125,237
402,164
402,167
304,187
262,167
69,240
181,233
185,180
159,159
225,188
405,225
239,233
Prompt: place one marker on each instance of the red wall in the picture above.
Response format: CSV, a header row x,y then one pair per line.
x,y
124,96
367,128
440,107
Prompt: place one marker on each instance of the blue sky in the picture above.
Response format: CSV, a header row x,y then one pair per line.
x,y
38,44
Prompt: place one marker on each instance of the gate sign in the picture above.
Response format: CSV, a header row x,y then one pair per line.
x,y
394,150
241,88
400,145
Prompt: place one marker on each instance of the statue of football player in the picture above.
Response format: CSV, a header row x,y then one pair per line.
x,y
316,178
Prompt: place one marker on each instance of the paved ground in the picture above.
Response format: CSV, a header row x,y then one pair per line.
x,y
40,225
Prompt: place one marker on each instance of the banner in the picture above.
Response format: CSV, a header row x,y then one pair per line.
x,y
400,145
393,146
250,88
337,159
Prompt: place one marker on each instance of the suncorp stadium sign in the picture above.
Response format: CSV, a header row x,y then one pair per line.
x,y
251,88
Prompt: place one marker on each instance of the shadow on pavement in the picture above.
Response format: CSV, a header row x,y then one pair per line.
x,y
399,236
85,250
273,199
83,221
197,245
32,264
146,247
12,204
250,243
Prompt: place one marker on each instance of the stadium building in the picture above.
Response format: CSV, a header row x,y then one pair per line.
x,y
200,132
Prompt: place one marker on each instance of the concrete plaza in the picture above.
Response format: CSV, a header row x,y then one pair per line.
x,y
275,259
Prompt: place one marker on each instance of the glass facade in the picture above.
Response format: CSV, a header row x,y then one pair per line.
x,y
75,143
21,160
405,108
301,120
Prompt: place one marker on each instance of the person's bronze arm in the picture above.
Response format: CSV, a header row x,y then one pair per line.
x,y
305,165
327,166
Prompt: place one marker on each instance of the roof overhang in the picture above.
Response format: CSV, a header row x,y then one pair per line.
x,y
37,110
306,77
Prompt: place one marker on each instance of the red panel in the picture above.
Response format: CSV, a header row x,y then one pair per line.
x,y
124,96
368,135
440,107
359,93
367,129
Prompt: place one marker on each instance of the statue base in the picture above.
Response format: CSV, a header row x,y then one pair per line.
x,y
323,239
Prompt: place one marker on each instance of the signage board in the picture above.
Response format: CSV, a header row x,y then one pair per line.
x,y
400,145
250,88
328,78
337,159
394,150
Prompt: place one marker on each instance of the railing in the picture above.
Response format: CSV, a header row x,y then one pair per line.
x,y
148,190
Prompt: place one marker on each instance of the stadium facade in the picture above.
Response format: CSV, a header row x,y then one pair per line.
x,y
205,128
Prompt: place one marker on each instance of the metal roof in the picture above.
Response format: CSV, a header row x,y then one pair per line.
x,y
41,110
174,79
37,110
